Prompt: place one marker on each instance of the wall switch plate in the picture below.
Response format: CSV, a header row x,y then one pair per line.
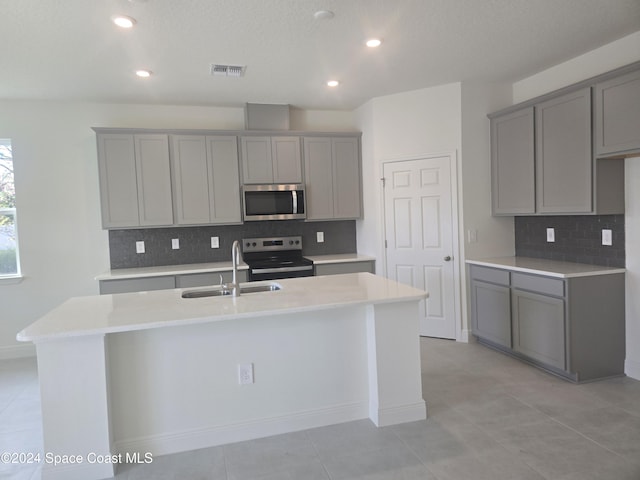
x,y
175,243
245,373
215,242
139,247
472,235
320,237
551,235
607,237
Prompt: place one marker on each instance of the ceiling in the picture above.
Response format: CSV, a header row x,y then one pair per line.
x,y
70,50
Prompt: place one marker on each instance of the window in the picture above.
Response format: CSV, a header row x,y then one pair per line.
x,y
9,259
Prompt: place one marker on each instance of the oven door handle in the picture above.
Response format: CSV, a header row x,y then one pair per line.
x,y
281,269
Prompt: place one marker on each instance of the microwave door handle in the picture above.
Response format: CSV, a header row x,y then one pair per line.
x,y
295,201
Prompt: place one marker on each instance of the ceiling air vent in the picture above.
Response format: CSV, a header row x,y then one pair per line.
x,y
219,70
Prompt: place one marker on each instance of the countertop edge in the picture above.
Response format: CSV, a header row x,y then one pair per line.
x,y
598,270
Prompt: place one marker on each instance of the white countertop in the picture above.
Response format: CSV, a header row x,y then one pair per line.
x,y
102,314
550,268
214,267
339,258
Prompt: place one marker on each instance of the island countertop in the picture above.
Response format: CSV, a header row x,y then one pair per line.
x,y
550,268
103,314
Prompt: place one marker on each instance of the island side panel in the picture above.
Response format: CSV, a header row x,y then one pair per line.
x,y
175,389
75,408
395,377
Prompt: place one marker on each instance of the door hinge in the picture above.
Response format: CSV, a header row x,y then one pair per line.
x,y
384,182
385,244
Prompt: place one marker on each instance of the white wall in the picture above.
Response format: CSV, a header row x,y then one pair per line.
x,y
62,245
608,57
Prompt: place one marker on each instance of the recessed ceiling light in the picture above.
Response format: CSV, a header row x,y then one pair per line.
x,y
144,73
374,42
333,83
323,15
123,21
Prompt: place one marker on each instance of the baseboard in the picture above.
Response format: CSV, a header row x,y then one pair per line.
x,y
632,369
219,435
464,337
17,351
402,414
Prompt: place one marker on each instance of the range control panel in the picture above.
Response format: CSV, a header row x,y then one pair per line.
x,y
271,244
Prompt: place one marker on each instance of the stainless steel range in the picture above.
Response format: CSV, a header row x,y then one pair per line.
x,y
275,257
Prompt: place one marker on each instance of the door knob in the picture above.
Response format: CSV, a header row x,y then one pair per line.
x,y
447,258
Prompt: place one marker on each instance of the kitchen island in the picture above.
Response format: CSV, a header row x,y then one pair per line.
x,y
153,372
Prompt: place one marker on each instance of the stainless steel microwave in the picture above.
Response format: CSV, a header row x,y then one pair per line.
x,y
273,202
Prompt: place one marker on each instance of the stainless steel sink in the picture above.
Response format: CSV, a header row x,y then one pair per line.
x,y
222,292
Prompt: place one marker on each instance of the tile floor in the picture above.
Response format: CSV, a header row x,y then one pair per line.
x,y
490,417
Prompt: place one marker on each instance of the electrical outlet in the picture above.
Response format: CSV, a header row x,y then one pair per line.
x,y
215,242
139,247
607,237
245,373
175,243
551,235
320,237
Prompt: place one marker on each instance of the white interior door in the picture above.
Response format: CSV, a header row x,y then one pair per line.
x,y
419,224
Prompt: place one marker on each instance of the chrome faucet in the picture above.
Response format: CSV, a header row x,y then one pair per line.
x,y
235,260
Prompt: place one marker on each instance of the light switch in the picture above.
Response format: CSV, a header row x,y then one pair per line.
x,y
320,237
607,237
551,235
472,235
175,243
215,242
139,247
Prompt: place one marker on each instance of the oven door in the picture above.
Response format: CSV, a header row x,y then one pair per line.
x,y
277,273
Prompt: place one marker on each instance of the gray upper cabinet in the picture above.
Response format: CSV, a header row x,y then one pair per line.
x,y
332,177
563,154
617,115
206,179
512,163
271,160
135,180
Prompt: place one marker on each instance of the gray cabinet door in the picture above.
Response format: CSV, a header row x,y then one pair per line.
x,y
224,179
318,173
191,179
491,312
287,163
257,164
135,180
617,115
539,327
332,177
513,163
155,205
346,178
118,184
564,159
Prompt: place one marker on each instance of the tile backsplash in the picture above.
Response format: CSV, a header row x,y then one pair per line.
x,y
577,238
195,242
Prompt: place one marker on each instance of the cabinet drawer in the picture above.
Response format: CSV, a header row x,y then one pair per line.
x,y
493,275
205,279
136,285
536,283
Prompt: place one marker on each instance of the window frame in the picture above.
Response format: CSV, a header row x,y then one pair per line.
x,y
12,278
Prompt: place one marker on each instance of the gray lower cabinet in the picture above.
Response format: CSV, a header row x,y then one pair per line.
x,y
617,115
271,160
137,284
344,267
332,177
206,179
135,180
572,327
538,327
166,282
